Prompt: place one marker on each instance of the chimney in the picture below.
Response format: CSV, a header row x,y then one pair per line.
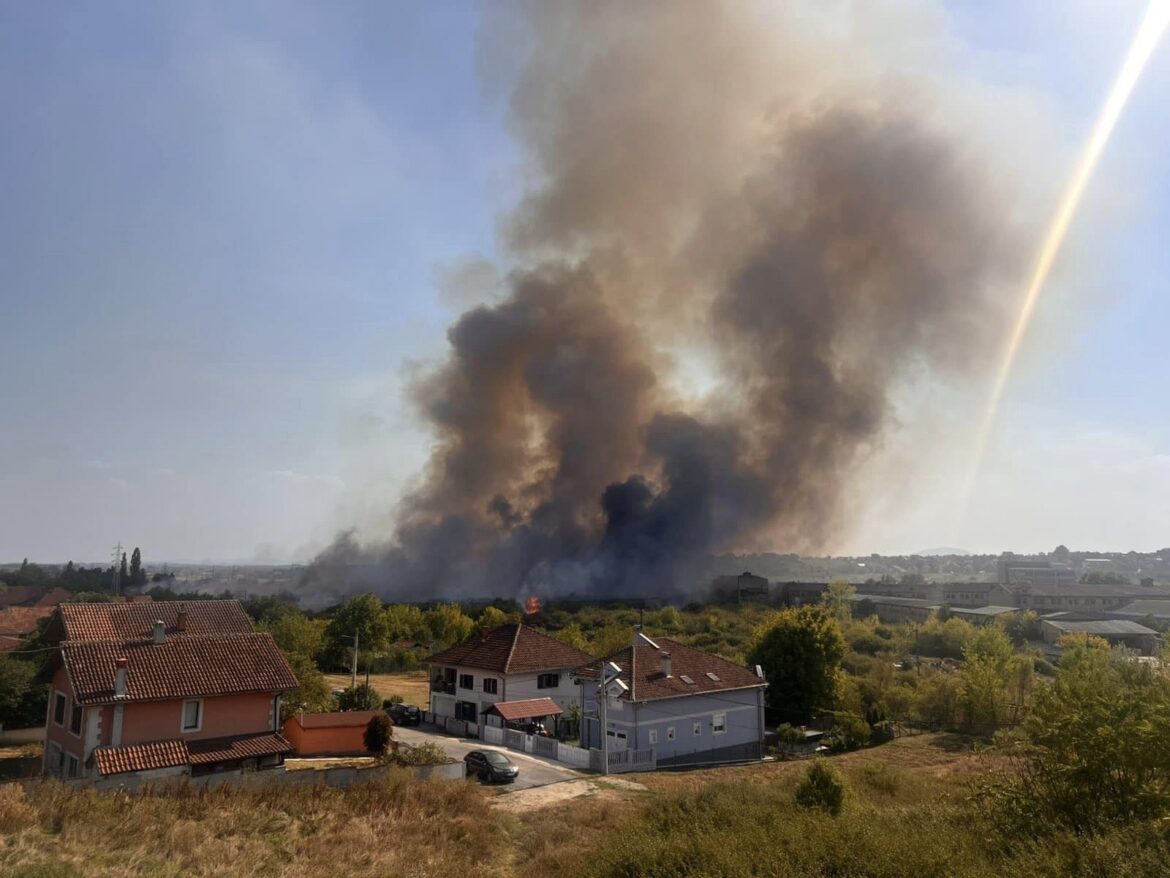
x,y
665,656
120,672
160,632
181,621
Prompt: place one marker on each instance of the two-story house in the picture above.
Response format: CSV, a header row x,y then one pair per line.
x,y
690,706
162,689
508,664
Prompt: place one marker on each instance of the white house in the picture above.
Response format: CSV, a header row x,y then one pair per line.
x,y
508,664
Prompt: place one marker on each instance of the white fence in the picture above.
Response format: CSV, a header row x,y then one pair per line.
x,y
493,735
632,760
570,755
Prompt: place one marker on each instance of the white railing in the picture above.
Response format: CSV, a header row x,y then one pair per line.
x,y
632,760
493,735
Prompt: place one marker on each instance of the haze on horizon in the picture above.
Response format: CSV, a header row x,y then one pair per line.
x,y
234,235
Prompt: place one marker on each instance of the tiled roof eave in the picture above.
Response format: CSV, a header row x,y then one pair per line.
x,y
760,685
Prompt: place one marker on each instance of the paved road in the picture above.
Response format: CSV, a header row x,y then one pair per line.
x,y
535,771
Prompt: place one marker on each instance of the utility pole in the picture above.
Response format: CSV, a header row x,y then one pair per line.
x,y
118,552
604,697
353,671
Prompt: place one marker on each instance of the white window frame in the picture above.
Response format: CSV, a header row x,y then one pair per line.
x,y
698,729
470,687
72,766
719,724
670,733
542,680
198,727
60,723
495,681
653,736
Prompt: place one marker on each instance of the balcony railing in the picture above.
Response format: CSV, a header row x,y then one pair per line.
x,y
443,686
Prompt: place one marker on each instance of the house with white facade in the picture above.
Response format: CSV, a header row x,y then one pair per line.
x,y
512,668
691,707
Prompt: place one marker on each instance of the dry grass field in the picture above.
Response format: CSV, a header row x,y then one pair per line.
x,y
413,686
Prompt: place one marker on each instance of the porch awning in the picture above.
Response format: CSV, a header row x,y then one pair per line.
x,y
530,708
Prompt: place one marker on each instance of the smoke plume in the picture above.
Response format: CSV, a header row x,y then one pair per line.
x,y
755,196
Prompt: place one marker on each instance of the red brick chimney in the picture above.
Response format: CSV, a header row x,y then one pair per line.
x,y
181,621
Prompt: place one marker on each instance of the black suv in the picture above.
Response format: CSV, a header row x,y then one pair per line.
x,y
490,766
404,714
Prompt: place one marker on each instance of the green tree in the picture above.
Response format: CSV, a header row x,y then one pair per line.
x,y
448,624
573,636
406,622
800,651
359,697
16,681
296,633
137,577
312,695
123,575
489,618
1093,750
364,616
837,599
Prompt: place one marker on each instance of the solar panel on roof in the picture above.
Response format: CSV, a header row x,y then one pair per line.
x,y
687,680
713,677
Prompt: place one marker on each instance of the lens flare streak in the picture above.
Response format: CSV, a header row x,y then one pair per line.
x,y
1154,24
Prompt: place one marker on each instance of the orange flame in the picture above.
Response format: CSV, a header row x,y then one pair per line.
x,y
532,606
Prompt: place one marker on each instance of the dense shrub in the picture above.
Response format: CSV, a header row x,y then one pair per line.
x,y
378,734
821,788
360,697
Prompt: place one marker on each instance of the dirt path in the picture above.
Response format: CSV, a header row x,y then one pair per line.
x,y
537,798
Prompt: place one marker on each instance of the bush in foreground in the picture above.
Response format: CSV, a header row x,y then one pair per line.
x,y
821,787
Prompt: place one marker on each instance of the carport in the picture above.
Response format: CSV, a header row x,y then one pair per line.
x,y
519,714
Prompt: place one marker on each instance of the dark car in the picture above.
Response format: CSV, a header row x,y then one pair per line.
x,y
405,714
490,766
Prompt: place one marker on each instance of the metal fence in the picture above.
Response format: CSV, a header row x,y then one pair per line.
x,y
543,746
514,739
493,735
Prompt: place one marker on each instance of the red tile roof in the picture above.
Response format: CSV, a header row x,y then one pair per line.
x,y
140,757
131,621
336,720
230,749
526,709
50,599
19,621
641,670
512,649
171,753
21,595
181,667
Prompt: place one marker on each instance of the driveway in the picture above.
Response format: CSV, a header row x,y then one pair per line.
x,y
535,771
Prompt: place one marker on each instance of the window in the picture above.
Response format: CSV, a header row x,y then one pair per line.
x,y
719,723
192,716
491,685
56,759
548,681
466,681
72,766
59,708
670,733
698,729
75,719
654,736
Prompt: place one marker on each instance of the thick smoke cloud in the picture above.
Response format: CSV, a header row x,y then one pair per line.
x,y
727,185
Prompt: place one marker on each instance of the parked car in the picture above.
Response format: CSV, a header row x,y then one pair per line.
x,y
490,766
405,714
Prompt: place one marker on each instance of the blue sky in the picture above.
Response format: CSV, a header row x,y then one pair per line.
x,y
223,229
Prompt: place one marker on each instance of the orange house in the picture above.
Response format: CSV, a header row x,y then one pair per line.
x,y
329,734
160,689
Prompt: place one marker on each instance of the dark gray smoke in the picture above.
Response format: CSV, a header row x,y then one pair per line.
x,y
723,189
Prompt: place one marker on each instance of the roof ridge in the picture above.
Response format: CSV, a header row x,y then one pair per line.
x,y
512,650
